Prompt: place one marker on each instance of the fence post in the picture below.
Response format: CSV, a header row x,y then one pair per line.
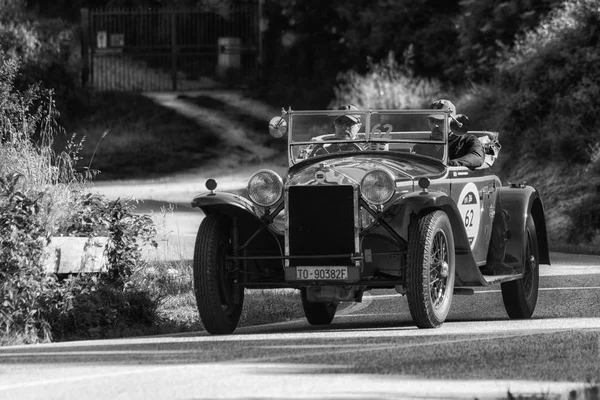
x,y
173,50
262,27
85,43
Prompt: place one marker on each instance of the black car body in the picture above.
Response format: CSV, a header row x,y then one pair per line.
x,y
370,212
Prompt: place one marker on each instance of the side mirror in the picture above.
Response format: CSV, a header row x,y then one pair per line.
x,y
460,124
277,127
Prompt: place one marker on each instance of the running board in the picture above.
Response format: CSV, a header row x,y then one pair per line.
x,y
489,280
492,279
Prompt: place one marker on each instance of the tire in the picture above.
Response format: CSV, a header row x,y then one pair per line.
x,y
219,309
317,313
430,271
520,296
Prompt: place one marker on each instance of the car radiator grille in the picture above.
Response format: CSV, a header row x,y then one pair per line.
x,y
321,222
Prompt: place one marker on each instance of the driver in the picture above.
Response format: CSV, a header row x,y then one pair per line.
x,y
346,128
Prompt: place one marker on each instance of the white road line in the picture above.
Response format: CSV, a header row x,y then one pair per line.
x,y
73,379
548,289
93,353
352,349
392,296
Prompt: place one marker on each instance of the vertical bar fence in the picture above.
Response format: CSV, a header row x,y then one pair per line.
x,y
171,49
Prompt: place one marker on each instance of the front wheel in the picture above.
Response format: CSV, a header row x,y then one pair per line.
x,y
430,270
317,313
219,299
520,296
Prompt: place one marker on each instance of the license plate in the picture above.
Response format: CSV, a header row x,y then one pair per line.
x,y
321,273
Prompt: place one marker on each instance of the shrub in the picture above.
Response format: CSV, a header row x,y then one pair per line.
x,y
43,195
44,50
553,75
91,307
386,85
23,237
486,28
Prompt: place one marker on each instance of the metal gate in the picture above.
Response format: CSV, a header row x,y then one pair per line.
x,y
171,49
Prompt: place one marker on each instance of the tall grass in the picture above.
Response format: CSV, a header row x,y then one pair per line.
x,y
28,127
386,85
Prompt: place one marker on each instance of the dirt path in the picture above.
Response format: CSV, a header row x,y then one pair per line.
x,y
168,198
243,155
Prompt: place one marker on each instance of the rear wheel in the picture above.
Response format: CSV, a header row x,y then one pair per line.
x,y
317,313
430,270
219,300
520,296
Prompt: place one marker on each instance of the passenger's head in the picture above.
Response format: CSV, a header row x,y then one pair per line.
x,y
348,125
436,121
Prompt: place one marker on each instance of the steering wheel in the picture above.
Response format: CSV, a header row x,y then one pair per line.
x,y
329,148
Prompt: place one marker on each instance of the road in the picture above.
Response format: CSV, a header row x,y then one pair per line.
x,y
371,351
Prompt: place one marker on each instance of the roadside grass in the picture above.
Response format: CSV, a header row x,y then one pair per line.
x,y
143,139
171,282
179,312
168,277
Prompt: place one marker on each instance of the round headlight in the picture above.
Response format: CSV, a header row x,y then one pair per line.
x,y
265,188
378,186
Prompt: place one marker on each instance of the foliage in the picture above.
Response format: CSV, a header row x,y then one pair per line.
x,y
42,195
45,52
586,216
386,85
487,28
309,42
552,77
11,10
94,215
90,307
23,237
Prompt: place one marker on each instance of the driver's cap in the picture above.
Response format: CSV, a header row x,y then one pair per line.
x,y
349,107
441,105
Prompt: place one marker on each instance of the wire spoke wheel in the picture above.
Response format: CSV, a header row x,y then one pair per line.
x,y
438,277
430,270
520,296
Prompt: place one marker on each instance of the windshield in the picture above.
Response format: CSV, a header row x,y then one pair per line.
x,y
319,133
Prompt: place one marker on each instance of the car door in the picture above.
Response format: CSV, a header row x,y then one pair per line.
x,y
474,192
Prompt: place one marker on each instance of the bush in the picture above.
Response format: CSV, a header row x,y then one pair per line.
x,y
43,195
486,28
93,215
91,307
23,237
45,52
553,77
386,85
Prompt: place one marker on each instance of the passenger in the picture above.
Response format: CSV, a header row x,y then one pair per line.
x,y
463,149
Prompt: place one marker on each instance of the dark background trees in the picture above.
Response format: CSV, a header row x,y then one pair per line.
x,y
526,68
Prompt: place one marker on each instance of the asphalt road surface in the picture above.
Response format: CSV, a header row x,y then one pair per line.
x,y
370,351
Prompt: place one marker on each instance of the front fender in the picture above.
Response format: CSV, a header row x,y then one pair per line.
x,y
226,203
249,235
521,201
467,272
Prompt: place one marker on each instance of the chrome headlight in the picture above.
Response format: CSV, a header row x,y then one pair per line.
x,y
378,186
265,188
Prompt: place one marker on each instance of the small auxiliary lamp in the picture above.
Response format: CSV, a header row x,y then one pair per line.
x,y
211,185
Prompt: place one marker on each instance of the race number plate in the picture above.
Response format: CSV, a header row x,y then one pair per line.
x,y
321,273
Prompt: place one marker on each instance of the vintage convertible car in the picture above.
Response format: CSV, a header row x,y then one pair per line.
x,y
368,213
